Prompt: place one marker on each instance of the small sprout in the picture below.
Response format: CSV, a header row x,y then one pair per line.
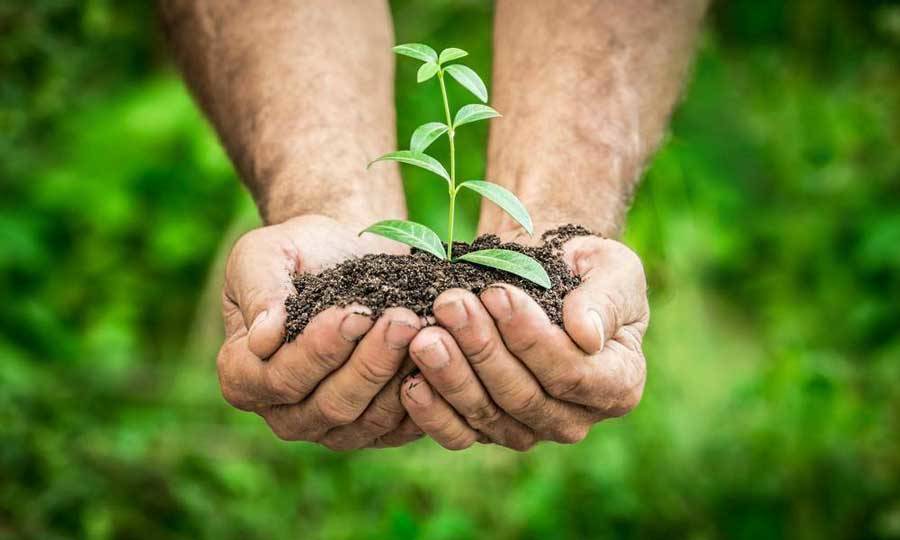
x,y
420,236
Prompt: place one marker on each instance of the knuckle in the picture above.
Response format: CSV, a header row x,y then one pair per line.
x,y
282,384
284,433
461,441
484,414
379,419
522,443
283,428
570,434
630,400
568,384
627,397
522,343
234,397
456,387
372,371
527,402
610,302
634,335
340,444
439,423
230,385
332,413
326,354
481,350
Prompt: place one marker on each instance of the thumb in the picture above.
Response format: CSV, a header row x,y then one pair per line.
x,y
266,332
612,293
257,282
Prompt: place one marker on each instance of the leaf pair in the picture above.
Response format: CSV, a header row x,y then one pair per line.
x,y
464,75
426,134
421,237
497,194
425,53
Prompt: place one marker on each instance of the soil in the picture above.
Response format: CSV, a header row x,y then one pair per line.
x,y
413,281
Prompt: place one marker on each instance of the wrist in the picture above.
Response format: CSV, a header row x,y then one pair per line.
x,y
355,198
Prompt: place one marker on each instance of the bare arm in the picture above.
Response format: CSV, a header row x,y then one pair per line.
x,y
586,89
301,94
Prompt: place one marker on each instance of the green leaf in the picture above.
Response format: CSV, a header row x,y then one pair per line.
x,y
410,233
469,79
503,198
418,159
417,51
473,113
426,71
450,54
510,261
426,134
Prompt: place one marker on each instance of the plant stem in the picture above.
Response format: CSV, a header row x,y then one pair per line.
x,y
450,135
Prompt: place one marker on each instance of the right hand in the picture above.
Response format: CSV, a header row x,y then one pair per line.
x,y
338,382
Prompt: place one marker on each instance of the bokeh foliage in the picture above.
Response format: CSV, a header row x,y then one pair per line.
x,y
769,224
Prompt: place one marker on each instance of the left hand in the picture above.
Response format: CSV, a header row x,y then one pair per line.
x,y
497,370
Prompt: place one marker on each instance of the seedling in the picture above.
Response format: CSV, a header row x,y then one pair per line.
x,y
420,236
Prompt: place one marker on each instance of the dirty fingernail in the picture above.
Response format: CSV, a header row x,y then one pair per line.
x,y
434,356
399,334
597,319
453,313
419,391
354,326
499,303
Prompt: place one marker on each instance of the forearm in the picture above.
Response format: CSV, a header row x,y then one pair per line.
x,y
586,89
301,95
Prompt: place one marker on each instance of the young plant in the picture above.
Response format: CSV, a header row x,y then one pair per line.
x,y
420,236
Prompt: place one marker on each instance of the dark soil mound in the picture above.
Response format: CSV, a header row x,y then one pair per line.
x,y
414,281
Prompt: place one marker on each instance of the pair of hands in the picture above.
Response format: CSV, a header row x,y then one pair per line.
x,y
493,368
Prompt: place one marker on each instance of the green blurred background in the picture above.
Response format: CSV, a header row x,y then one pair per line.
x,y
769,224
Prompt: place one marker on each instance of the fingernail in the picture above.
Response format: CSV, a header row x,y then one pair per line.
x,y
419,391
355,326
434,356
261,318
453,313
500,304
399,334
598,325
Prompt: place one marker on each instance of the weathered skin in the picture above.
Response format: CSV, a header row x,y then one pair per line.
x,y
301,95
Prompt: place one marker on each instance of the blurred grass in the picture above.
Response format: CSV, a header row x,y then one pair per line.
x,y
769,224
